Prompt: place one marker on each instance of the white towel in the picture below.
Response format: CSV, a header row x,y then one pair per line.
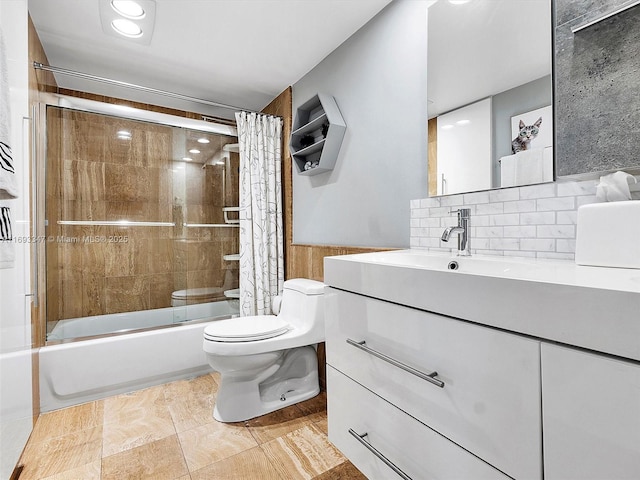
x,y
8,182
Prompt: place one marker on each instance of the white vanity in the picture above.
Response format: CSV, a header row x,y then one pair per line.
x,y
499,369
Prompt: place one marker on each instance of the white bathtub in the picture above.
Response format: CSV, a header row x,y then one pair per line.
x,y
117,322
82,371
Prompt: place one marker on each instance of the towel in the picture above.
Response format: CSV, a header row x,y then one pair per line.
x,y
8,182
7,251
527,167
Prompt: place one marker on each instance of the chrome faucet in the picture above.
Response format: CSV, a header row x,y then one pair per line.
x,y
462,229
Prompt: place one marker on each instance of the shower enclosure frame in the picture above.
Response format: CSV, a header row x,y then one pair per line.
x,y
38,186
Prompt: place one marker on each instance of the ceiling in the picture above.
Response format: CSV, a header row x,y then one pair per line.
x,y
236,52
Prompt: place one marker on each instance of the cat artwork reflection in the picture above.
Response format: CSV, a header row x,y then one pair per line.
x,y
525,135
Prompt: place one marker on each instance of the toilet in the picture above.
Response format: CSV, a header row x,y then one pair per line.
x,y
268,362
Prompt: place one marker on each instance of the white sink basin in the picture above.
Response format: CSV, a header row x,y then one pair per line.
x,y
591,307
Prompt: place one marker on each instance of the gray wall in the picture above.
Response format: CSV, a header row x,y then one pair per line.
x,y
527,97
378,78
597,108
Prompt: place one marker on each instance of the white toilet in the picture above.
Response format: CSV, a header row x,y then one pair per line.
x,y
268,362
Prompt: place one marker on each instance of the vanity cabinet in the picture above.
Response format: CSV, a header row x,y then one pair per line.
x,y
467,391
591,415
378,437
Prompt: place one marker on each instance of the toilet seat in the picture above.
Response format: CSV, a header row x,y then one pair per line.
x,y
246,329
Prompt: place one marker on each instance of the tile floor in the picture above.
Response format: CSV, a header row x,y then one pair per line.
x,y
167,432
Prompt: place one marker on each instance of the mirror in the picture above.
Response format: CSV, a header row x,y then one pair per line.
x,y
489,90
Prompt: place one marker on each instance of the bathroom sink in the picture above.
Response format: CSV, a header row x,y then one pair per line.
x,y
592,307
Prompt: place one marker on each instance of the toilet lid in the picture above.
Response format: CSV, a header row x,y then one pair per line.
x,y
246,329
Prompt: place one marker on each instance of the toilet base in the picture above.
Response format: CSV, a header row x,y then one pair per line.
x,y
292,379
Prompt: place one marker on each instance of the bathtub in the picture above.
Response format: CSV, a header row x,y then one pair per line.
x,y
82,371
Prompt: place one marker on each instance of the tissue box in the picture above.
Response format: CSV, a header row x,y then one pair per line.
x,y
608,234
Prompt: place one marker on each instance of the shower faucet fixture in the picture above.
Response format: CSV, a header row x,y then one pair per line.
x,y
462,229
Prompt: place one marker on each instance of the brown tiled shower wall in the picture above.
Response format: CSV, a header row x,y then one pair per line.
x,y
94,175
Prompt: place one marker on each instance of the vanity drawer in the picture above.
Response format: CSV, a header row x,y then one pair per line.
x,y
490,399
416,450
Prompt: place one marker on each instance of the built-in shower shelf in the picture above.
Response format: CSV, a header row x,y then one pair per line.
x,y
235,293
226,211
233,257
232,147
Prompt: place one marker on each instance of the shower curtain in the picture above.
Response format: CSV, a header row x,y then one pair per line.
x,y
261,233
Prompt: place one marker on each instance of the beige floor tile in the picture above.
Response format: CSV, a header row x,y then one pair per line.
x,y
251,464
344,471
276,424
214,441
323,425
61,453
67,420
315,408
303,454
159,460
191,402
134,419
90,471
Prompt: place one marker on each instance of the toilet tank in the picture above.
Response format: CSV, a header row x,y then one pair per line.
x,y
303,303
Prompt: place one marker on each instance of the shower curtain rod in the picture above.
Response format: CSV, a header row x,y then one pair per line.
x,y
87,76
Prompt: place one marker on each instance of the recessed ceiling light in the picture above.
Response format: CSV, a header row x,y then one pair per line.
x,y
124,135
187,159
203,140
194,150
128,8
126,27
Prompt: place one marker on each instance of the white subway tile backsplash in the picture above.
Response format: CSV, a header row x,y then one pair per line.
x,y
556,231
430,202
538,218
451,200
520,206
504,243
538,191
520,231
585,200
554,204
531,221
504,195
429,222
490,208
476,198
505,219
567,189
490,232
567,217
538,245
565,245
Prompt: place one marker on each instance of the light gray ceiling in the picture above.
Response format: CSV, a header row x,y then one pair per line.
x,y
237,52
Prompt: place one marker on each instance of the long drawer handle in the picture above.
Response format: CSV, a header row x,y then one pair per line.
x,y
429,377
378,454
